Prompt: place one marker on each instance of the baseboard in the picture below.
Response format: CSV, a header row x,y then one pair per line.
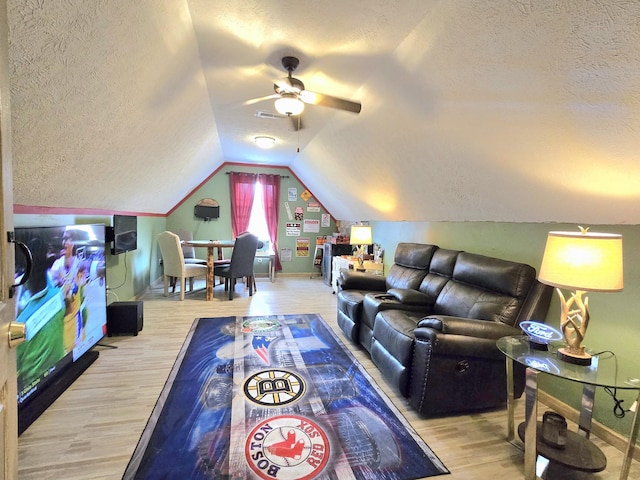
x,y
603,432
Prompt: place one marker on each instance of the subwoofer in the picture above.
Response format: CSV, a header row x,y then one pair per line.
x,y
124,318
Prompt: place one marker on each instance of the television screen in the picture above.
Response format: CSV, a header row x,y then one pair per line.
x,y
125,234
206,212
62,303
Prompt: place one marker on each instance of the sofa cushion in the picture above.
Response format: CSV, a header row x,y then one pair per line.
x,y
486,288
414,255
500,276
411,264
460,300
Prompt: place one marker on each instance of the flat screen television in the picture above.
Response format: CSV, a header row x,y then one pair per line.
x,y
63,305
125,234
206,212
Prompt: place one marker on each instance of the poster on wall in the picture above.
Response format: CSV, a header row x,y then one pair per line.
x,y
292,194
306,195
298,213
311,225
288,208
325,220
286,255
313,207
293,229
302,247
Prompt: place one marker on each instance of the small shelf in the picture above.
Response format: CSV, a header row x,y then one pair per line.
x,y
579,453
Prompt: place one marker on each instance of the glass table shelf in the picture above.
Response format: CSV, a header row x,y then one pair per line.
x,y
604,371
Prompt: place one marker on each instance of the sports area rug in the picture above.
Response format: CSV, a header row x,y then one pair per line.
x,y
275,397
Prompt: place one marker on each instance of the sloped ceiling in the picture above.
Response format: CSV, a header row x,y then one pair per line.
x,y
481,111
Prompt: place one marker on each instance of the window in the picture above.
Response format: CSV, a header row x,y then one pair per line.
x,y
258,219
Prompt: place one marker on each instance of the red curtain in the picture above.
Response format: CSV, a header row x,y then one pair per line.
x,y
242,188
271,195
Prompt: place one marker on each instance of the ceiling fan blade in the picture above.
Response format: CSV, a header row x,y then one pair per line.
x,y
260,99
296,122
329,101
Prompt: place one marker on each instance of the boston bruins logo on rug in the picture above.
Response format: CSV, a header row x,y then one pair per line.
x,y
274,388
287,447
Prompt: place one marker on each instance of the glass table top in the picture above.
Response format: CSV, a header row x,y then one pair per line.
x,y
605,369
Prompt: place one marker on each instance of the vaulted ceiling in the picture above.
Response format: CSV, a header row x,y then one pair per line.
x,y
484,110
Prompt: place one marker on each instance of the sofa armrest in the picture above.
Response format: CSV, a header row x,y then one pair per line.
x,y
409,296
351,280
467,326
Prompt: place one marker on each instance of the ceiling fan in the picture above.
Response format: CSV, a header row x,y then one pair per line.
x,y
291,95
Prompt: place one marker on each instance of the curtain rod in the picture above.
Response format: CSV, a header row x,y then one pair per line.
x,y
249,173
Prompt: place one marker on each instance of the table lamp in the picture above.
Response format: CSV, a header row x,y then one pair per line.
x,y
584,262
361,237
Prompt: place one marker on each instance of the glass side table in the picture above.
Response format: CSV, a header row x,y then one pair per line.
x,y
603,372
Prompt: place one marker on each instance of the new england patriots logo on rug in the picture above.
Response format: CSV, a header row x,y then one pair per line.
x,y
264,331
261,344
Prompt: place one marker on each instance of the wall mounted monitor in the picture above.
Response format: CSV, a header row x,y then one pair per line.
x,y
125,234
206,212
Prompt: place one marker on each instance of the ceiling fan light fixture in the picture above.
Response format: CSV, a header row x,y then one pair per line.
x,y
264,142
289,104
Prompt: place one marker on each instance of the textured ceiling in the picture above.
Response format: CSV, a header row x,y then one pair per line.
x,y
478,110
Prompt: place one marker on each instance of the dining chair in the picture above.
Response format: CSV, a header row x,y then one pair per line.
x,y
189,252
174,264
226,261
240,264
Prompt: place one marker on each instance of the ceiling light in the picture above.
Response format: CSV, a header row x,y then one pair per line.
x,y
264,142
289,104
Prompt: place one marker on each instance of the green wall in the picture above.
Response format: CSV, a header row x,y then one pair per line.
x,y
217,187
614,321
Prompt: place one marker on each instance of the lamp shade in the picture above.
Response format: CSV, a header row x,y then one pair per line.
x,y
289,104
583,261
360,235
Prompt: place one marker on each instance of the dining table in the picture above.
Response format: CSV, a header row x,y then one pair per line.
x,y
210,245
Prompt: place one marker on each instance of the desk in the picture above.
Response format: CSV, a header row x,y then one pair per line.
x,y
210,245
272,262
603,372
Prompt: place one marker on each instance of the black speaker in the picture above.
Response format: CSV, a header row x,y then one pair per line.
x,y
124,318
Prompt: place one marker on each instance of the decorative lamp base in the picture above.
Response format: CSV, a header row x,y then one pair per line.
x,y
538,345
576,358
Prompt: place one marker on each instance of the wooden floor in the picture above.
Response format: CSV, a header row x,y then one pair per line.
x,y
92,429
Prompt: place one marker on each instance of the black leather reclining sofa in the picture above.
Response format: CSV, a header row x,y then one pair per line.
x,y
431,325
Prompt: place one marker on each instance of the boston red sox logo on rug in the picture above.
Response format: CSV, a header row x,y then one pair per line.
x,y
287,447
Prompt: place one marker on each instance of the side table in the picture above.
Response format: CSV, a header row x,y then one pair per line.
x,y
603,372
